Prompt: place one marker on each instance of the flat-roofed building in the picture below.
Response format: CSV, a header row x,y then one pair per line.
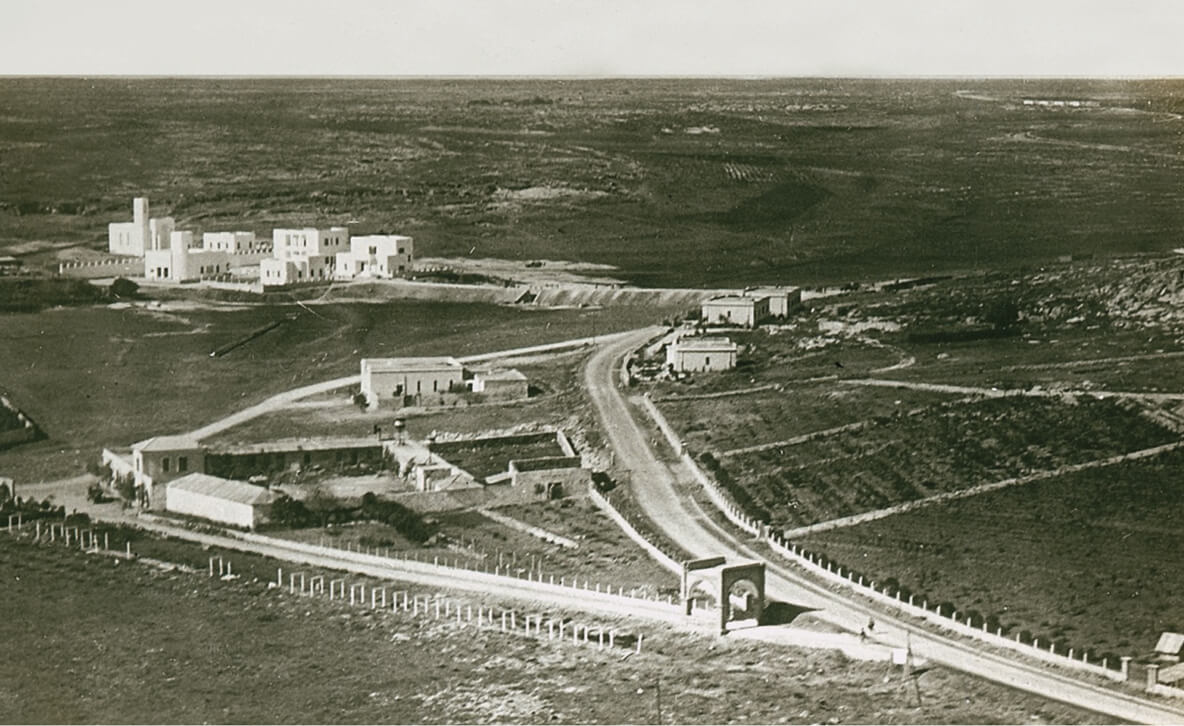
x,y
140,235
781,299
410,381
219,500
735,310
376,255
309,242
235,243
501,384
295,270
181,261
701,354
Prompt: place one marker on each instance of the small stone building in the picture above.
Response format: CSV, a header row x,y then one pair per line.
x,y
502,384
701,354
737,310
781,299
226,501
550,477
402,382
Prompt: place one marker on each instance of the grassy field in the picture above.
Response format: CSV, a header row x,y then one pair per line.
x,y
940,449
98,376
722,424
182,648
1089,559
677,182
604,555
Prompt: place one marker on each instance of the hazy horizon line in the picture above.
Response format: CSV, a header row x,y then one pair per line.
x,y
585,77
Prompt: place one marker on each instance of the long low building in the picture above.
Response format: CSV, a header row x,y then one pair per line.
x,y
226,501
701,354
735,310
407,381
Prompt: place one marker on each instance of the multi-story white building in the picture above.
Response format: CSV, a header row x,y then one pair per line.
x,y
303,255
141,234
376,255
296,256
238,243
781,299
180,261
308,242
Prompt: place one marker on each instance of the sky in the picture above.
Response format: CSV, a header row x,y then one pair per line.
x,y
975,38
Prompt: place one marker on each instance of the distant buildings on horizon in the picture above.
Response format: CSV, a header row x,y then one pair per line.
x,y
294,256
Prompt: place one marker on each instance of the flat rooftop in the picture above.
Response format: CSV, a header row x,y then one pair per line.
x,y
326,443
505,374
731,300
704,344
772,290
410,365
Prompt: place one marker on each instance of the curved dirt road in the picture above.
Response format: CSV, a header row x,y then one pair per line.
x,y
657,491
287,398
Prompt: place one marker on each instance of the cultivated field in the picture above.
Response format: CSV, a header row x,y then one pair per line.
x,y
183,648
936,450
1089,559
768,416
675,182
1081,558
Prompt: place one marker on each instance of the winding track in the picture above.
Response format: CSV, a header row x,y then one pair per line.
x,y
657,489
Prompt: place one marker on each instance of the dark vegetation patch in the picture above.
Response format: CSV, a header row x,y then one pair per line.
x,y
1087,559
185,648
828,181
945,448
96,376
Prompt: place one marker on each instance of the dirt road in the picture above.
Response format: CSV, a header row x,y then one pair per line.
x,y
658,494
287,398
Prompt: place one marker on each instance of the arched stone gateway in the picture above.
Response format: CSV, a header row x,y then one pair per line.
x,y
698,581
742,592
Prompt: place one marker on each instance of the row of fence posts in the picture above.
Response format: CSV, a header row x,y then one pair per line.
x,y
224,568
87,538
859,581
442,609
508,570
218,566
746,522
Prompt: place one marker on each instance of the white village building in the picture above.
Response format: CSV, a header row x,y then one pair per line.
x,y
295,256
141,234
